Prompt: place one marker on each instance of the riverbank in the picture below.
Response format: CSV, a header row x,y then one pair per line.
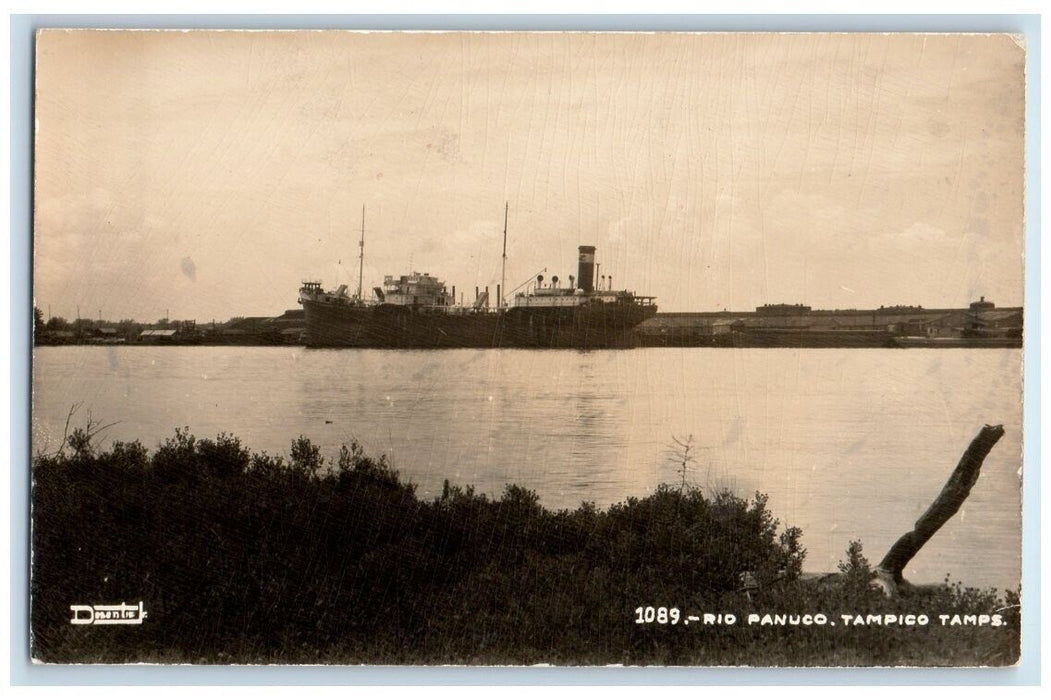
x,y
241,557
981,325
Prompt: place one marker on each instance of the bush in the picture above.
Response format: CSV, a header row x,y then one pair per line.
x,y
243,557
306,457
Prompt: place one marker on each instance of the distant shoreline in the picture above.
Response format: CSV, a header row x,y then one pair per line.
x,y
981,325
789,341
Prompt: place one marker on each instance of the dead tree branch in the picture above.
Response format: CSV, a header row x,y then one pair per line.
x,y
957,488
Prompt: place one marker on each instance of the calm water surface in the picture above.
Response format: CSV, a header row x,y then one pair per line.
x,y
847,443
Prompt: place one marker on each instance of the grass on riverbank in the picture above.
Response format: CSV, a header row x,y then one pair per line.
x,y
251,558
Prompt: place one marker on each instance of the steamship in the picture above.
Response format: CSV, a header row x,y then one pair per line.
x,y
418,311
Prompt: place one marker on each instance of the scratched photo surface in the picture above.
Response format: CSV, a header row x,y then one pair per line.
x,y
516,348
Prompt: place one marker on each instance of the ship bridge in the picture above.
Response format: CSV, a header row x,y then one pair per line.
x,y
415,290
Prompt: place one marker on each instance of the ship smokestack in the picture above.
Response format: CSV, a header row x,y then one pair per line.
x,y
586,269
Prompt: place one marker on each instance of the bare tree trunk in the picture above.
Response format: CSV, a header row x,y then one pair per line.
x,y
957,488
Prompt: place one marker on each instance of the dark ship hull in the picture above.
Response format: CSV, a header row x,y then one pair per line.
x,y
587,326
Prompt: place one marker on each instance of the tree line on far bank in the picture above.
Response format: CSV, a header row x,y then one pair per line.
x,y
56,329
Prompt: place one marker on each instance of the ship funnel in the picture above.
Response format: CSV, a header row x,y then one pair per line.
x,y
586,269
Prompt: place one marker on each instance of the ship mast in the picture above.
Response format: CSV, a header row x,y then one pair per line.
x,y
503,264
361,252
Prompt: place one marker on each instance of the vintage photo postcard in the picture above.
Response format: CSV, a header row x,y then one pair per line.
x,y
516,348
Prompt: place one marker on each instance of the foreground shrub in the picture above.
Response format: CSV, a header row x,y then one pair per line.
x,y
242,557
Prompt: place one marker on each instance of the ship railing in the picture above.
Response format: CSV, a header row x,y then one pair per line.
x,y
450,310
548,302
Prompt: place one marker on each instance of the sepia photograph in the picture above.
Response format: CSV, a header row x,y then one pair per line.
x,y
509,348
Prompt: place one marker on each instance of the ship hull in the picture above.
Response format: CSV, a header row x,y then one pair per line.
x,y
590,326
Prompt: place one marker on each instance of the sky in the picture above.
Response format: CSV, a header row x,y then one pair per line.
x,y
206,174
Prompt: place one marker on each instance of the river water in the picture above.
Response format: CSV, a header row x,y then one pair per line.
x,y
847,443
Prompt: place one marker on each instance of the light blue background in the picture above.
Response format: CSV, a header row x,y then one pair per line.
x,y
22,59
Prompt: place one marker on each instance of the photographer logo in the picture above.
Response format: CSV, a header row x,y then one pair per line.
x,y
122,614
